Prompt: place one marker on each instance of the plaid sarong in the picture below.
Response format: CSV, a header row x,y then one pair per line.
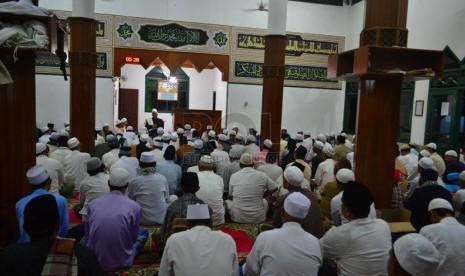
x,y
61,259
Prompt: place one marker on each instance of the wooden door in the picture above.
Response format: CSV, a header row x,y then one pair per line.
x,y
129,106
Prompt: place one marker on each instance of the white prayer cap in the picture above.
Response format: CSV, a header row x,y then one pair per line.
x,y
426,163
40,147
206,160
147,157
439,203
67,128
209,127
298,137
462,176
297,205
319,145
143,130
117,122
343,134
130,128
180,131
225,131
223,137
294,176
235,152
154,110
425,153
124,120
98,128
198,144
64,133
251,138
332,134
416,254
119,177
197,211
187,127
345,175
246,159
157,142
308,133
328,151
268,143
44,129
432,146
73,142
451,153
174,136
105,125
322,137
93,164
144,137
405,147
239,137
160,131
65,124
37,175
166,136
54,135
232,132
211,134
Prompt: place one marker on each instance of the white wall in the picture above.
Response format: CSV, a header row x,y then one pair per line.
x,y
53,101
201,87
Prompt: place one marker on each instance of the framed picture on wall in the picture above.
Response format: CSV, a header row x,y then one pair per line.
x,y
419,108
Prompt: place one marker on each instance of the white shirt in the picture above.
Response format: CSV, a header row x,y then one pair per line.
x,y
448,237
288,250
194,169
438,163
158,155
54,170
337,217
272,170
99,140
75,167
151,192
252,149
60,154
92,187
131,164
410,162
221,159
211,192
360,247
199,251
44,139
129,136
324,174
247,187
110,158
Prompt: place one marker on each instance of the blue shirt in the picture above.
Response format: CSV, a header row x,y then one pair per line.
x,y
62,211
172,172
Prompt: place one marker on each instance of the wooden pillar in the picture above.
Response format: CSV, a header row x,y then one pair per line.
x,y
83,65
273,83
18,121
377,126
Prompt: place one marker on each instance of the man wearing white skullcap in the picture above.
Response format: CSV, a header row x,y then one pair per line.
x,y
181,255
437,159
158,149
40,181
340,149
112,229
361,246
150,190
453,164
112,156
154,122
413,255
410,161
447,234
317,157
280,251
247,203
119,128
423,164
190,159
229,170
325,171
53,167
221,158
129,135
343,177
45,135
93,186
74,165
211,189
292,181
63,150
250,146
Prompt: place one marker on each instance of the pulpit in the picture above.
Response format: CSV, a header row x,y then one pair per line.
x,y
198,119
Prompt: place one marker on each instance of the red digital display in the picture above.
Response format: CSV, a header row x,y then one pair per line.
x,y
132,59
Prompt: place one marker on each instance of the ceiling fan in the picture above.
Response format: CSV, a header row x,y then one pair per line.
x,y
261,7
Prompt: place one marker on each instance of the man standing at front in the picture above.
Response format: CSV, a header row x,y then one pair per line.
x,y
288,250
113,224
361,246
247,190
